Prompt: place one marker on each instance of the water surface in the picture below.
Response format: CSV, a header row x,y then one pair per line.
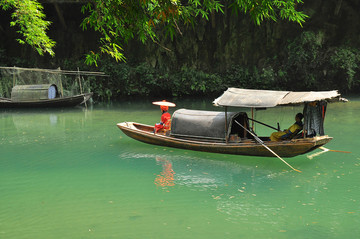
x,y
71,173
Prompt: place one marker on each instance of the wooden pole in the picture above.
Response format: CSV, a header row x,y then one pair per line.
x,y
324,150
264,124
79,78
56,71
81,91
14,78
262,143
252,117
332,150
226,126
61,85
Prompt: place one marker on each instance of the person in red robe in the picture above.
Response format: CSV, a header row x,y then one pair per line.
x,y
165,119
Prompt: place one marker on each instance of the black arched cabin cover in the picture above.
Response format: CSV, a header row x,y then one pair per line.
x,y
208,124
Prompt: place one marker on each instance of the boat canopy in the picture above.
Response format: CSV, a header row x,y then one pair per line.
x,y
34,92
249,98
207,124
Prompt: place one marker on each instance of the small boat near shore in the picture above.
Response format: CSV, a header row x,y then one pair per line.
x,y
44,88
70,101
231,132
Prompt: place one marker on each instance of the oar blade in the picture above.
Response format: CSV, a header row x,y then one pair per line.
x,y
332,150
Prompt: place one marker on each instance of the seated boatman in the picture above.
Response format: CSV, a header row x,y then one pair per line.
x,y
165,119
293,129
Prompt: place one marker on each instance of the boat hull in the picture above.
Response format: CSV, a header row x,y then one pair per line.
x,y
50,103
289,148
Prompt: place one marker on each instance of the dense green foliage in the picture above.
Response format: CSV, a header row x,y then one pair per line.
x,y
311,65
263,58
308,66
28,16
120,21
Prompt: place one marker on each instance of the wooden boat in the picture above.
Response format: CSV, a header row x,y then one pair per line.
x,y
46,103
144,133
36,88
230,132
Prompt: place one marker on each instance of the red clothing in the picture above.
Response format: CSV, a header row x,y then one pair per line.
x,y
165,122
165,118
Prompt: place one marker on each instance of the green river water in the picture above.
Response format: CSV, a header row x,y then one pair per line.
x,y
71,173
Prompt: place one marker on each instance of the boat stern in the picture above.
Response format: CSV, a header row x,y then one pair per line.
x,y
322,140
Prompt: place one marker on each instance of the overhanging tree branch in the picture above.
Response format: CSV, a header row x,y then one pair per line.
x,y
28,16
122,20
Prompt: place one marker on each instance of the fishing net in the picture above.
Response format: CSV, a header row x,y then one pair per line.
x,y
69,83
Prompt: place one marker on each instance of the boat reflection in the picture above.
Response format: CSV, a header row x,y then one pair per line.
x,y
43,126
231,187
208,172
166,177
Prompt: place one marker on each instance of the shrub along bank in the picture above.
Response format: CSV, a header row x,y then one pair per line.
x,y
306,65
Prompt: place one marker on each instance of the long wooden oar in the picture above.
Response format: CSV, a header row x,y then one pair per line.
x,y
311,156
278,129
324,150
339,151
262,143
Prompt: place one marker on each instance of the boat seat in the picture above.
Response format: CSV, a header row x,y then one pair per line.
x,y
166,129
163,132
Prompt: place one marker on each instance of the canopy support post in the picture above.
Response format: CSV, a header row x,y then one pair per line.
x,y
61,85
252,118
81,91
226,126
14,78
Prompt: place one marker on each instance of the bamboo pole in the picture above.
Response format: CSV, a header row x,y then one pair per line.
x,y
61,86
13,75
262,143
81,91
252,117
226,126
264,124
56,71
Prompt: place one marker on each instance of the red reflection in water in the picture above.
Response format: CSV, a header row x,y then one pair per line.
x,y
166,177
